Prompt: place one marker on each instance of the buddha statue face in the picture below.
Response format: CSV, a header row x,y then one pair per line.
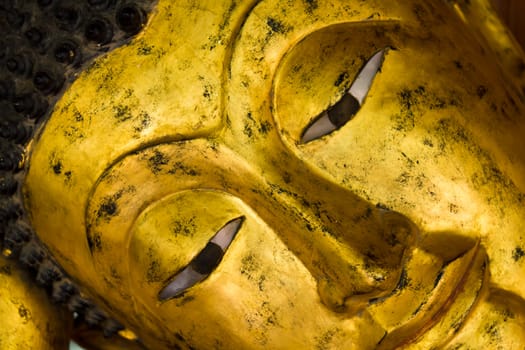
x,y
290,175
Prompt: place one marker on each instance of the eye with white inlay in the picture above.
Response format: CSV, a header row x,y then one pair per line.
x,y
345,109
204,263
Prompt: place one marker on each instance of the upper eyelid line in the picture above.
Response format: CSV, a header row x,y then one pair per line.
x,y
175,287
354,97
372,66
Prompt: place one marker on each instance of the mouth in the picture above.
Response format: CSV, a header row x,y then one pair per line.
x,y
433,298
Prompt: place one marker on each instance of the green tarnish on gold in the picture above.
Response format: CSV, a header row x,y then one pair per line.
x,y
403,228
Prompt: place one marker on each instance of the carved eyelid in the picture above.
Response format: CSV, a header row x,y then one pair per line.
x,y
203,263
340,113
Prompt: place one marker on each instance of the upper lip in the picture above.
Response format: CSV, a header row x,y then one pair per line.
x,y
411,311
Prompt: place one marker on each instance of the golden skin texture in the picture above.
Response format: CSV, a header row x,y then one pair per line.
x,y
29,321
401,229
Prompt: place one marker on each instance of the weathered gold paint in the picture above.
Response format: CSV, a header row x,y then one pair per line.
x,y
29,320
401,229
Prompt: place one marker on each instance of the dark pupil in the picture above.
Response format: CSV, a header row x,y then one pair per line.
x,y
344,110
208,259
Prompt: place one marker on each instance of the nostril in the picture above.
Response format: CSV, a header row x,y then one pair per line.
x,y
331,295
398,229
398,234
376,268
339,299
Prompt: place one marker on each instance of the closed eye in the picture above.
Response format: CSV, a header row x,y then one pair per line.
x,y
204,263
346,108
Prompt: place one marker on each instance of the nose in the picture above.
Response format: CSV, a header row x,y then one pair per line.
x,y
354,249
377,246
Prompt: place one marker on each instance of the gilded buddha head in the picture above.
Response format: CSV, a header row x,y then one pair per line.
x,y
293,175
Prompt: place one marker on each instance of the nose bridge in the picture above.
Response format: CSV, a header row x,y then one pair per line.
x,y
352,248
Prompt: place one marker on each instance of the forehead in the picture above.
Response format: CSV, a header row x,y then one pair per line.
x,y
168,85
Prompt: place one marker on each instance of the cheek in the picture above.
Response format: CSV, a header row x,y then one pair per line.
x,y
257,295
421,173
259,288
408,147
